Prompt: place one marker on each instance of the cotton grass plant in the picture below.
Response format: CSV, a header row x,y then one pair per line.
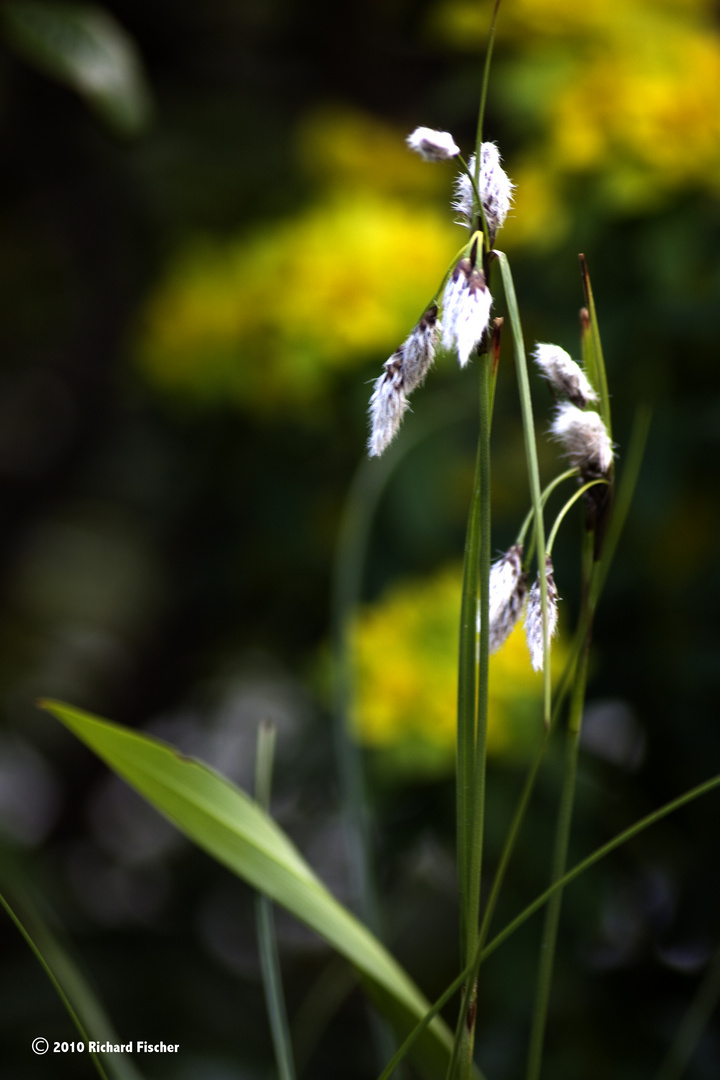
x,y
523,582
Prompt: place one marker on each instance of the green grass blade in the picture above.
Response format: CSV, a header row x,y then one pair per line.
x,y
599,853
230,826
592,353
540,901
532,466
81,1003
265,922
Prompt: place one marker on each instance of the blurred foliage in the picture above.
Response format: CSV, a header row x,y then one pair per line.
x,y
82,45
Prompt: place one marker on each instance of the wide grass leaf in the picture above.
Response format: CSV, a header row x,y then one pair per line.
x,y
220,818
83,46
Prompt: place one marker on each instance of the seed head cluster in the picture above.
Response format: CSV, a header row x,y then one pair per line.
x,y
584,438
405,370
466,309
466,299
494,187
433,145
508,584
533,615
566,378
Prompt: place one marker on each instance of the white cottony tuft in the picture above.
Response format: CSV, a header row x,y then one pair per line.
x,y
565,376
466,309
508,583
495,188
433,145
404,371
533,616
584,438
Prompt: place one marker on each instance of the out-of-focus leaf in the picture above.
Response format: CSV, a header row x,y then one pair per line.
x,y
84,1007
84,47
230,826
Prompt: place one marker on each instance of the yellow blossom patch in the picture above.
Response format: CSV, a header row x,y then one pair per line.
x,y
405,648
265,319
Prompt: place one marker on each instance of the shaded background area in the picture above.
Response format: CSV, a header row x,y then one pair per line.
x,y
198,286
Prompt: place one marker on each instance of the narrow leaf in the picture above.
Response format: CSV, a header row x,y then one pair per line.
x,y
592,353
220,818
80,1001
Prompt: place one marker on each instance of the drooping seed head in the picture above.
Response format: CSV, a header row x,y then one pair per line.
x,y
566,378
433,145
533,616
495,189
508,584
404,371
585,440
466,309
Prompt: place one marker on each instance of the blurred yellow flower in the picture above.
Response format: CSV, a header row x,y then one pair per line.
x,y
405,648
624,92
266,319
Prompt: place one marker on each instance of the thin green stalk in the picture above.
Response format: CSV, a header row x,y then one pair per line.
x,y
55,982
483,92
264,921
539,902
562,836
693,1023
565,510
599,853
472,716
532,467
467,692
505,857
546,493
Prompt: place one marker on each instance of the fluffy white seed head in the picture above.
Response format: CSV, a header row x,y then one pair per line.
x,y
508,585
533,616
584,438
495,188
466,309
433,145
565,376
404,371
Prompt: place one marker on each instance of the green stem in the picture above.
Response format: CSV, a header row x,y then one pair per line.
x,y
55,983
539,902
265,924
547,492
472,697
483,92
599,853
505,857
552,915
562,831
566,508
474,769
532,467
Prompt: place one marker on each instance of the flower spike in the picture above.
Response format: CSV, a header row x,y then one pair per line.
x,y
495,189
466,309
508,584
433,145
566,378
533,615
404,371
585,440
